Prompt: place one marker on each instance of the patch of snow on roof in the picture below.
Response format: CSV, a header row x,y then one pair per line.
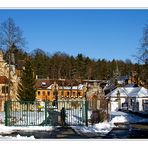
x,y
129,92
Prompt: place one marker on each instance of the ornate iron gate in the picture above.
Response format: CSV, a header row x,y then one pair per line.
x,y
47,113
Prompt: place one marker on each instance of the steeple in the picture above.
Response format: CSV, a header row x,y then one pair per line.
x,y
117,69
116,72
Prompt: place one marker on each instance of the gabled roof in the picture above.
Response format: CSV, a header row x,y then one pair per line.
x,y
79,87
129,92
43,83
122,78
46,83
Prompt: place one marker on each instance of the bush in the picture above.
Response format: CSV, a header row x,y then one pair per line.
x,y
98,116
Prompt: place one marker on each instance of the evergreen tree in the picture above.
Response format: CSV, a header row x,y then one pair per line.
x,y
26,89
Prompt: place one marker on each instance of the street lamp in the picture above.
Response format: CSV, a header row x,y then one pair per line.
x,y
56,96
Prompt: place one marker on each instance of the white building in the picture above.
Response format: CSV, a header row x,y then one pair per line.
x,y
131,98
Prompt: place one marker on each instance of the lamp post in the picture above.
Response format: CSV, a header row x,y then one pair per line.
x,y
56,95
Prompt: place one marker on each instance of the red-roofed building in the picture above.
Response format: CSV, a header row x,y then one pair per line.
x,y
65,89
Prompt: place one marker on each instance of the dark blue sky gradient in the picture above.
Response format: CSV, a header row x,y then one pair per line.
x,y
109,34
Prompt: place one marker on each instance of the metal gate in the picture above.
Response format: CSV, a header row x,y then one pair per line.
x,y
47,113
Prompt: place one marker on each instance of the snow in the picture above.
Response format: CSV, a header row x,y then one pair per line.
x,y
122,117
11,129
18,137
129,92
119,119
99,129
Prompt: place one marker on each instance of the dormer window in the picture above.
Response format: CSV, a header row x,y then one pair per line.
x,y
43,84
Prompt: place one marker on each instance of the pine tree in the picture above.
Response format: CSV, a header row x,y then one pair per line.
x,y
26,88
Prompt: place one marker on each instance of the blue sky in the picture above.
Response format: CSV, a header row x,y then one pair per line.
x,y
109,34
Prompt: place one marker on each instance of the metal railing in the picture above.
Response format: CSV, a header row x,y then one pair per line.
x,y
23,113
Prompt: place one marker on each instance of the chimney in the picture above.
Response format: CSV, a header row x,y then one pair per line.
x,y
36,76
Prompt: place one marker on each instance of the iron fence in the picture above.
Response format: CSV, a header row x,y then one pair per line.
x,y
47,113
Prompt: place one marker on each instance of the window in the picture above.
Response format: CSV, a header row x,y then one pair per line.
x,y
68,93
48,93
43,93
4,89
74,93
62,92
39,93
79,93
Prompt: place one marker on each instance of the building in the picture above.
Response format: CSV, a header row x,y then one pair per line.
x,y
7,72
52,89
130,98
3,91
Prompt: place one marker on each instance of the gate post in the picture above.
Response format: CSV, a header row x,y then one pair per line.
x,y
46,113
86,112
6,108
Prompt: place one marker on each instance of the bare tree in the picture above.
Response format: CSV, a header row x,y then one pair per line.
x,y
143,51
11,34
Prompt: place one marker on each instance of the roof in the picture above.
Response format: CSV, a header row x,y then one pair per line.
x,y
129,92
3,80
20,64
122,78
79,87
47,83
43,83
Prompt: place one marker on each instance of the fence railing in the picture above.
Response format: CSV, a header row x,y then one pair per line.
x,y
25,113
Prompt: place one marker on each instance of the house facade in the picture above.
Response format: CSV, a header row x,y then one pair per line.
x,y
134,99
7,72
50,89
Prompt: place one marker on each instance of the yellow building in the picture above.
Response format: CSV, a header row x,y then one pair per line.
x,y
50,89
7,72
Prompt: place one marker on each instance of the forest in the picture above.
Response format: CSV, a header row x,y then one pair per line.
x,y
63,66
60,65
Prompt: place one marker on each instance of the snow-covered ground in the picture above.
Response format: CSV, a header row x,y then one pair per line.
x,y
93,130
10,129
122,117
105,127
18,137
